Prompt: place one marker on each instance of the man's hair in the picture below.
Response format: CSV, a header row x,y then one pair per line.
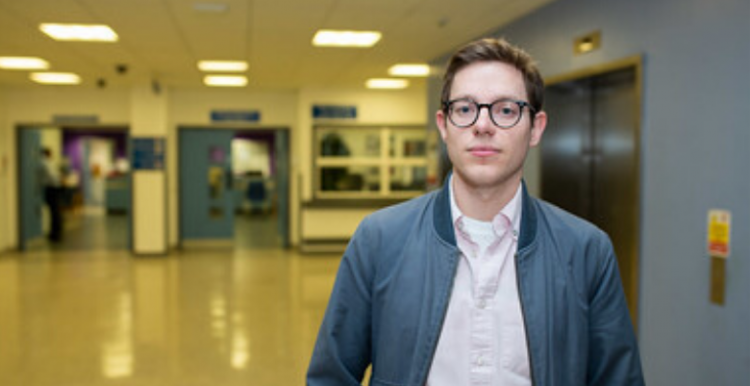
x,y
496,50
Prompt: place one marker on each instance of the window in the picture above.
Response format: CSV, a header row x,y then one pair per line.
x,y
371,161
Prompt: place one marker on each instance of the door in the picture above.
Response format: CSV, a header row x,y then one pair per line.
x,y
31,190
590,160
206,194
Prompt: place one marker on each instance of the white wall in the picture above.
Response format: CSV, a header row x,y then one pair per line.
x,y
250,156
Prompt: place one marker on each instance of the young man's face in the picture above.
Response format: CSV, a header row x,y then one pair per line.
x,y
485,155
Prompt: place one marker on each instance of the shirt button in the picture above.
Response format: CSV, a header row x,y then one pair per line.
x,y
482,304
480,361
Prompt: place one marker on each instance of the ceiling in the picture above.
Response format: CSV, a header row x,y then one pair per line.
x,y
162,40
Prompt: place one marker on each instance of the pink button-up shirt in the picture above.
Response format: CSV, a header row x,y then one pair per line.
x,y
483,340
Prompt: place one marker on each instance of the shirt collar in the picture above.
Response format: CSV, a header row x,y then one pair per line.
x,y
510,213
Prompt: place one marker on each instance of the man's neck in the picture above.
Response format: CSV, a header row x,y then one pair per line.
x,y
483,202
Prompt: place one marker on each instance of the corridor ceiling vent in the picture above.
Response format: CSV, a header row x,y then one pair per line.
x,y
210,7
55,78
411,70
356,39
390,84
23,63
222,65
79,32
225,81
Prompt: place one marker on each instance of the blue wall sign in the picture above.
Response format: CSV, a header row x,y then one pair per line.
x,y
148,153
334,112
235,116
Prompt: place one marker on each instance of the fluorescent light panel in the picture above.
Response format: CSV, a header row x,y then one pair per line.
x,y
333,38
409,70
79,32
55,78
387,83
23,63
225,80
222,65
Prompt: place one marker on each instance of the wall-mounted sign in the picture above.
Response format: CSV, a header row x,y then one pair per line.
x,y
235,116
334,112
719,231
148,153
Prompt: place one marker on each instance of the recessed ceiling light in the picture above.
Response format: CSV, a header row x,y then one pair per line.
x,y
23,63
332,38
55,78
409,70
387,83
225,81
222,65
79,32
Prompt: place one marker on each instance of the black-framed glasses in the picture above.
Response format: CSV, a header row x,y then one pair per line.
x,y
504,113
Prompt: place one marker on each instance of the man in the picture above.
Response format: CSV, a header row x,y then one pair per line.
x,y
479,283
49,175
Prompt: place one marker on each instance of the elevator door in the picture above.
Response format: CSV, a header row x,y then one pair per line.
x,y
590,160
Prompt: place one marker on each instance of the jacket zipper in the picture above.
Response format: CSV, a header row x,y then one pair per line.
x,y
525,325
440,327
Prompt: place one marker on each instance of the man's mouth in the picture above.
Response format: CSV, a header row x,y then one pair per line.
x,y
483,151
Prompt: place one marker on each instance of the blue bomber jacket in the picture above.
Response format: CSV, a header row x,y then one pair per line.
x,y
395,280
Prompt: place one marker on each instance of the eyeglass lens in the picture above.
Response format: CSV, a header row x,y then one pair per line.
x,y
504,113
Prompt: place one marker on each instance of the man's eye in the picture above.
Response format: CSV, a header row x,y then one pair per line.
x,y
463,110
506,111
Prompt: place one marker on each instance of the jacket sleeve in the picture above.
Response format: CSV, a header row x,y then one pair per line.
x,y
343,347
613,351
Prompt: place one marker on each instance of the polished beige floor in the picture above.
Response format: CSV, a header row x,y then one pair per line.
x,y
234,316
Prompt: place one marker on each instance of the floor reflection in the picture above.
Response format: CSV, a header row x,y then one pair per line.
x,y
221,317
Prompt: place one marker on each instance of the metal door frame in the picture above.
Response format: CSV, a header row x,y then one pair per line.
x,y
636,63
19,127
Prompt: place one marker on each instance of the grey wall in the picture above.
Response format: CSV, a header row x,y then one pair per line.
x,y
695,157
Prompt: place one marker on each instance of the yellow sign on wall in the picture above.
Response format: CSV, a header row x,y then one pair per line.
x,y
719,230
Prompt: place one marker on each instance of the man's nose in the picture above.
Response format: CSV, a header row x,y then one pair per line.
x,y
484,124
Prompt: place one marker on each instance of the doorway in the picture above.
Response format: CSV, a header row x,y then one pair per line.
x,y
590,157
234,187
90,166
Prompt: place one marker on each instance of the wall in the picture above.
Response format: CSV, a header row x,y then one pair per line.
x,y
696,92
5,205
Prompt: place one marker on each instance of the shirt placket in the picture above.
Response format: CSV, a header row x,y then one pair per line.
x,y
483,350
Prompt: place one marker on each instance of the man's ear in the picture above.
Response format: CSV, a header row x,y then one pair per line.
x,y
537,129
440,119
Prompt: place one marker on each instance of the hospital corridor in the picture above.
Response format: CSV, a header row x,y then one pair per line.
x,y
180,181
